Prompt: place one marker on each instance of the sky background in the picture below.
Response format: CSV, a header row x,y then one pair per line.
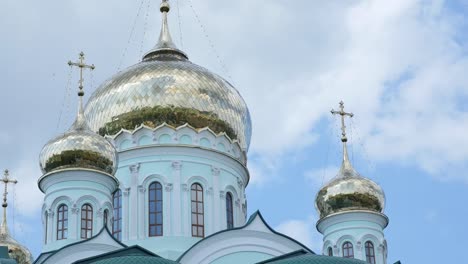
x,y
400,66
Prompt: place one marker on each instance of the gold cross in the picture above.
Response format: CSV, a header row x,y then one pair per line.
x,y
343,114
82,66
6,180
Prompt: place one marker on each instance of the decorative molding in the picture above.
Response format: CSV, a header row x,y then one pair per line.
x,y
209,191
168,187
50,213
381,248
75,209
100,212
141,189
184,187
237,202
240,183
126,192
177,165
359,245
222,194
135,168
215,171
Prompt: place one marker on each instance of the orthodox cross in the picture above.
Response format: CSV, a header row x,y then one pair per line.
x,y
82,66
6,180
343,114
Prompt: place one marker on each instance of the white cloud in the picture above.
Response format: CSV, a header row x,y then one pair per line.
x,y
397,65
303,231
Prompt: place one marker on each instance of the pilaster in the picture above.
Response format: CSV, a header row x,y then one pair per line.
x,y
215,171
177,203
133,202
141,215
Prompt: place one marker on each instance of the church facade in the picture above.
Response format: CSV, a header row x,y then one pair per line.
x,y
154,170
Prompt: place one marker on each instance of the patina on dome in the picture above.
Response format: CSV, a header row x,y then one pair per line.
x,y
348,190
166,87
79,147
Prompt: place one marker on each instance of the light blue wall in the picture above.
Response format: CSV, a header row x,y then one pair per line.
x,y
242,257
74,188
356,228
177,167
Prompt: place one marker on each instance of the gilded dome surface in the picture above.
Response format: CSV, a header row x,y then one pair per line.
x,y
349,191
166,87
79,147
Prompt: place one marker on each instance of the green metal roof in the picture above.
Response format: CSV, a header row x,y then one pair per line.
x,y
129,255
135,260
303,257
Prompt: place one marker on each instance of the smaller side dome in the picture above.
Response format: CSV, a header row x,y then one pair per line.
x,y
349,191
79,147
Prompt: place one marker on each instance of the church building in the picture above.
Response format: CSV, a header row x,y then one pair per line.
x,y
154,170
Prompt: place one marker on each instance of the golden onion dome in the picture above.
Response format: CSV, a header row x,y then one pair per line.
x,y
349,191
79,147
165,87
16,251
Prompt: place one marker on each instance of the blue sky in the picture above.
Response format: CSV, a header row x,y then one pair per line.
x,y
399,65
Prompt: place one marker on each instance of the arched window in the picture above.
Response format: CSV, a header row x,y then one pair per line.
x,y
348,251
370,253
46,219
229,211
86,221
105,218
155,209
330,251
198,226
117,219
62,222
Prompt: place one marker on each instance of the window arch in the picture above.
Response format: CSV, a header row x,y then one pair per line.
x,y
229,211
155,215
117,219
348,251
370,253
86,221
330,251
62,222
198,225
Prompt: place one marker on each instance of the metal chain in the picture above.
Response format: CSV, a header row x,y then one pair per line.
x,y
180,25
145,27
132,32
223,65
65,98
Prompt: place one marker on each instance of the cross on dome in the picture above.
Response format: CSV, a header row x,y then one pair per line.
x,y
6,180
344,139
80,64
343,114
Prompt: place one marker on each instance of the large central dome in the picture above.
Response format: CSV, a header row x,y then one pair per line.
x,y
167,87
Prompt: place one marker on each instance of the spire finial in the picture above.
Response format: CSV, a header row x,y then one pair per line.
x,y
344,139
80,120
6,180
165,44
